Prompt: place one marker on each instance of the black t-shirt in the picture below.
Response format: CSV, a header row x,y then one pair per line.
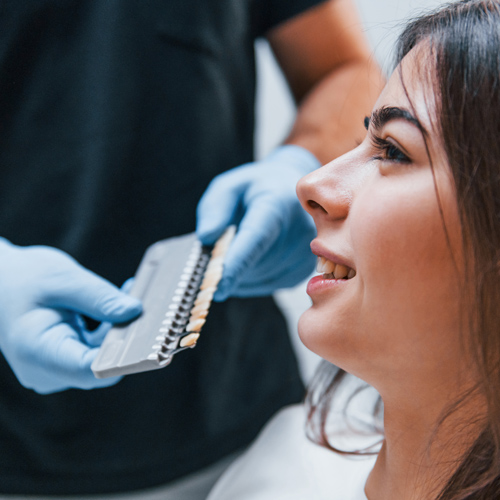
x,y
114,117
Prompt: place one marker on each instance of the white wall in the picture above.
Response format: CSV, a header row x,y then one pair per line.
x,y
382,21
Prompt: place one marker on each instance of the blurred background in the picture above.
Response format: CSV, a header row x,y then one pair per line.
x,y
382,22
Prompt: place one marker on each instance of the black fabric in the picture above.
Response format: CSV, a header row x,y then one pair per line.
x,y
114,116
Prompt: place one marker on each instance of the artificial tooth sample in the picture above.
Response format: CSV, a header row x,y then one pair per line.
x,y
189,340
199,315
205,295
213,276
200,307
193,296
195,326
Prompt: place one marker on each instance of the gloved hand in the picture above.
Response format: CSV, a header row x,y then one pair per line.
x,y
271,248
43,291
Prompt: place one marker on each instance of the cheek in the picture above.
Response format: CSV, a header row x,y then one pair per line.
x,y
409,276
400,314
397,238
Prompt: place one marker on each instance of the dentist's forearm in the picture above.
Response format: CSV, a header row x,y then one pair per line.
x,y
329,67
329,121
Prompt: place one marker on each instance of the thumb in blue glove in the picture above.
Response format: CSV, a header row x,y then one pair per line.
x,y
43,292
271,248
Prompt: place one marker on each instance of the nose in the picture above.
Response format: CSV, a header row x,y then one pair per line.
x,y
326,193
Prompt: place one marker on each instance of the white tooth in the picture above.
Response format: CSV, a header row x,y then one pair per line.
x,y
340,271
198,315
215,274
319,264
195,326
217,262
204,296
189,340
324,266
207,286
351,274
209,282
329,267
202,306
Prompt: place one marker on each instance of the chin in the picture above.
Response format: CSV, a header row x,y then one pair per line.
x,y
312,332
330,338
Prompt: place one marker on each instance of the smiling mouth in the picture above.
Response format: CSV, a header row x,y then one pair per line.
x,y
331,271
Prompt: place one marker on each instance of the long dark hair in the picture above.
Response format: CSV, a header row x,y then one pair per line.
x,y
464,49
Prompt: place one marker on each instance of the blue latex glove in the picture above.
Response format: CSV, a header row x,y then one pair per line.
x,y
43,291
271,248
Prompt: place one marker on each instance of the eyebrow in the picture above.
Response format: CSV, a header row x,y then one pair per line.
x,y
382,116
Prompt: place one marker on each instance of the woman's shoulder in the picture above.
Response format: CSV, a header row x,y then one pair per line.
x,y
284,464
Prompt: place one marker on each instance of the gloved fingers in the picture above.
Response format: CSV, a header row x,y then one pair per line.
x,y
127,285
82,291
95,338
258,231
292,262
219,205
49,356
285,278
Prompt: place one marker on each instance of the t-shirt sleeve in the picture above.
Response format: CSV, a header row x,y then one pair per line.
x,y
267,14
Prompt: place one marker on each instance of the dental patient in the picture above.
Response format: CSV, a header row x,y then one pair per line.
x,y
407,298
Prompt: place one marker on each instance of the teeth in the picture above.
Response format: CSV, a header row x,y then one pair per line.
x,y
324,266
340,272
330,270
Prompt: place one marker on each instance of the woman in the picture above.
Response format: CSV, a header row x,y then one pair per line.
x,y
408,294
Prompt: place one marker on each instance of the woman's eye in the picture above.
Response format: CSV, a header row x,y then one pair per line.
x,y
395,154
389,151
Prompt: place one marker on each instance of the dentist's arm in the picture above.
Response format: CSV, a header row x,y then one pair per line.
x,y
329,68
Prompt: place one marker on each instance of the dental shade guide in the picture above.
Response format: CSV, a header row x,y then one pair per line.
x,y
175,281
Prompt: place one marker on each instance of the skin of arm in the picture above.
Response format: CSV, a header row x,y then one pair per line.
x,y
329,67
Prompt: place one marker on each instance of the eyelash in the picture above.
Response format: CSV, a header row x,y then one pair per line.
x,y
389,151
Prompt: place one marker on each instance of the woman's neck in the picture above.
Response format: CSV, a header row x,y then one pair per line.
x,y
419,453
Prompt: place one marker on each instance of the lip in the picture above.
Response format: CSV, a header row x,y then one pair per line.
x,y
318,284
319,250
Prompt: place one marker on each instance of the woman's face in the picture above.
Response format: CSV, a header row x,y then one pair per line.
x,y
381,213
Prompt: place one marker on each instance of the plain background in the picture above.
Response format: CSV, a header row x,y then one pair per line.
x,y
382,22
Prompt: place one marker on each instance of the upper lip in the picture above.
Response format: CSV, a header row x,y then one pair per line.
x,y
319,250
